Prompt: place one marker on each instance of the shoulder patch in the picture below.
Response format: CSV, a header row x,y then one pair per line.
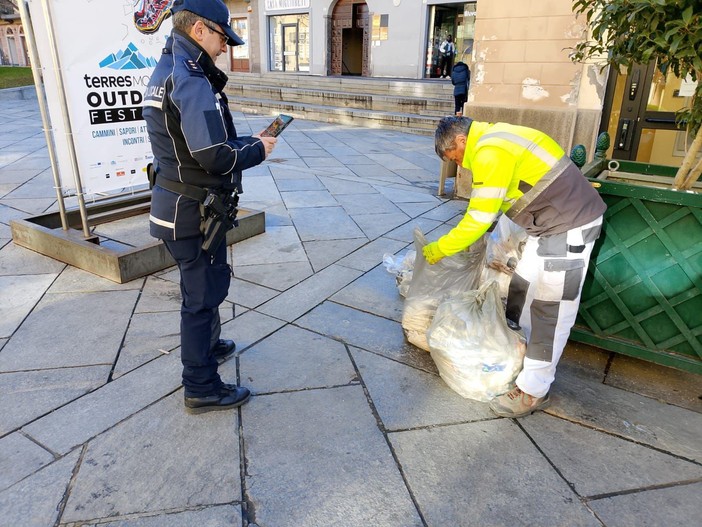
x,y
193,67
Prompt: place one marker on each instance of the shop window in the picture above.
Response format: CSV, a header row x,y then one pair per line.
x,y
289,42
457,20
240,54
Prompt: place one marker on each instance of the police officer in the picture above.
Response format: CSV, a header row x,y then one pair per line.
x,y
198,157
525,174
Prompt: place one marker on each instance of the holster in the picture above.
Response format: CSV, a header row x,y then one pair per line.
x,y
220,217
219,208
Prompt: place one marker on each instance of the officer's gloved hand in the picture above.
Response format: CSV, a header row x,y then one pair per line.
x,y
432,252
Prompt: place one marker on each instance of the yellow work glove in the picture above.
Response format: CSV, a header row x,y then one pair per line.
x,y
432,252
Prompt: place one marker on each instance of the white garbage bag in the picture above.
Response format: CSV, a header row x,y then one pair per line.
x,y
402,267
503,252
430,284
476,353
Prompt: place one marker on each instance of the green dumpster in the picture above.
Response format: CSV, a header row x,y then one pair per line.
x,y
643,293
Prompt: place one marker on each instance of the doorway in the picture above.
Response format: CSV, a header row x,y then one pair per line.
x,y
289,47
641,123
350,37
239,55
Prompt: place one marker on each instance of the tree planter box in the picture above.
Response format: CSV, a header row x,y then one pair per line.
x,y
643,293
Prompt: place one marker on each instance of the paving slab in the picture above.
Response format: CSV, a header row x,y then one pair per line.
x,y
654,508
148,336
276,245
47,337
324,253
18,296
327,223
77,422
371,254
35,501
294,359
249,294
525,490
405,232
584,361
7,214
172,463
376,225
308,199
32,206
366,331
406,397
133,231
664,426
15,260
665,384
366,203
28,395
278,276
413,210
316,458
216,516
447,210
339,186
74,280
20,457
375,292
407,194
250,327
159,295
293,182
309,293
596,463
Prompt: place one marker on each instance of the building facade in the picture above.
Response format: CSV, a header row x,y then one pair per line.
x,y
13,46
519,58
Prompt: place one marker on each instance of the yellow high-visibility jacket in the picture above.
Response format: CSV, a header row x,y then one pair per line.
x,y
525,174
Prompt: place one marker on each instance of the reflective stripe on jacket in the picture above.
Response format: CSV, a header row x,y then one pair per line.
x,y
520,167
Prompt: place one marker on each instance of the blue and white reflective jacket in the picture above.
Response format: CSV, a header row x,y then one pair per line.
x,y
192,135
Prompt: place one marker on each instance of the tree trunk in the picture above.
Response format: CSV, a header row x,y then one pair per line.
x,y
683,179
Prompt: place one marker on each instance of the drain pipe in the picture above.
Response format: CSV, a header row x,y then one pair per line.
x,y
41,96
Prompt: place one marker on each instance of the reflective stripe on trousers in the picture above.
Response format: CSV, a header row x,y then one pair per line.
x,y
544,295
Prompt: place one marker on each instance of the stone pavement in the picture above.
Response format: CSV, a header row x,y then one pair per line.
x,y
349,425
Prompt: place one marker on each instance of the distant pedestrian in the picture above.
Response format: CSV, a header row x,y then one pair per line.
x,y
447,50
460,78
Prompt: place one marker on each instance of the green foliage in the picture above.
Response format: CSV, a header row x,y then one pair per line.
x,y
639,31
12,77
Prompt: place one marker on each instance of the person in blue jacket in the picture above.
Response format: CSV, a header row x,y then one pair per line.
x,y
198,156
460,78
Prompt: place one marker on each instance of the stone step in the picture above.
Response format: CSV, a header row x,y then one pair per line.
x,y
406,122
342,99
431,89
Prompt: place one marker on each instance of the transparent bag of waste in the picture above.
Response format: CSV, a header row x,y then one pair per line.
x,y
402,266
477,354
503,252
430,284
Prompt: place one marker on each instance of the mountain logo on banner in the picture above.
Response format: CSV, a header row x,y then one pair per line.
x,y
129,59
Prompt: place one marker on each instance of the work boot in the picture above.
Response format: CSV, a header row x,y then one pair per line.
x,y
516,403
223,350
229,396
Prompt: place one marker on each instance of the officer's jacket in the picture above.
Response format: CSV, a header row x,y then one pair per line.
x,y
525,174
192,135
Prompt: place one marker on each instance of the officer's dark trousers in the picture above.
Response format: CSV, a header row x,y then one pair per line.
x,y
204,283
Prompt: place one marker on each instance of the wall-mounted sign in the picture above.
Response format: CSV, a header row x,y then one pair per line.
x,y
278,5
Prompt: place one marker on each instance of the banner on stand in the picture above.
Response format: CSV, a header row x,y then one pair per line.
x,y
107,51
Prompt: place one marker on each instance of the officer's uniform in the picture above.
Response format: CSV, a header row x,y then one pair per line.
x,y
525,174
194,142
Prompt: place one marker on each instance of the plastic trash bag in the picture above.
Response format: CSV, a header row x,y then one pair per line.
x,y
503,252
430,284
477,354
402,267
